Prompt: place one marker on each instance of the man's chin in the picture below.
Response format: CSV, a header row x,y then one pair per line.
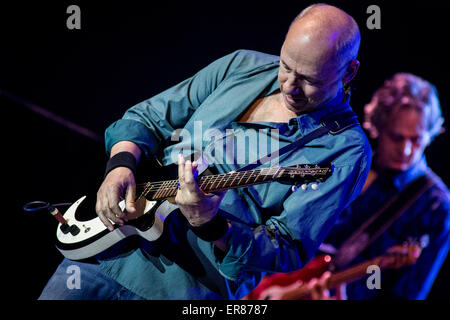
x,y
400,166
298,106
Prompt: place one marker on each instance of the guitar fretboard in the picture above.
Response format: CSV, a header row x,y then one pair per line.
x,y
219,182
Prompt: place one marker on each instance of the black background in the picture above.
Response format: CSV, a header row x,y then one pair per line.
x,y
127,51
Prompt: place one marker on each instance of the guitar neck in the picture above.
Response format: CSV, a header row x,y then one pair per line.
x,y
212,183
352,274
336,279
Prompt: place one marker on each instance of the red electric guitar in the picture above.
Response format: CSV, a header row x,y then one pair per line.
x,y
290,286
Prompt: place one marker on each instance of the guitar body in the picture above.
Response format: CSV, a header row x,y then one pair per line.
x,y
273,286
291,286
93,236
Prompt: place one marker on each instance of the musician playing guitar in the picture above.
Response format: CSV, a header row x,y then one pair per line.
x,y
218,245
404,116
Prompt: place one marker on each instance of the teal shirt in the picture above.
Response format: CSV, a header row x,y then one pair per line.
x,y
273,228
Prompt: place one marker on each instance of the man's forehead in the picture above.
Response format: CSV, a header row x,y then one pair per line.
x,y
308,43
315,32
407,125
304,62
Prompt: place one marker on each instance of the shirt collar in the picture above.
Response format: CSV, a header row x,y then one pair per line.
x,y
310,121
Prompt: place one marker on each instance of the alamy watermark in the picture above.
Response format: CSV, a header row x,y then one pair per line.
x,y
374,280
73,281
374,20
74,19
230,146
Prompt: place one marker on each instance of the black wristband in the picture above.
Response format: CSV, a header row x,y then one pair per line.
x,y
121,159
212,230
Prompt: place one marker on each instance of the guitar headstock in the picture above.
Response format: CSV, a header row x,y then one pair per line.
x,y
405,254
305,173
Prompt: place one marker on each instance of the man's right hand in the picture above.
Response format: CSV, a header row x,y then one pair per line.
x,y
119,184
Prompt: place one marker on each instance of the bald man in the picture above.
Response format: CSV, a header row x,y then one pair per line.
x,y
219,245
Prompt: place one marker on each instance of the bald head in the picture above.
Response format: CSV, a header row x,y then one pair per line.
x,y
318,58
328,30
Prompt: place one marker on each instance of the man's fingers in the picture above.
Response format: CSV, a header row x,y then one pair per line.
x,y
106,222
130,203
101,213
113,211
186,176
318,287
324,279
113,201
314,289
116,214
118,184
181,168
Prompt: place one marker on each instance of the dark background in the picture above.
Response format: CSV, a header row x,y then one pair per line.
x,y
128,51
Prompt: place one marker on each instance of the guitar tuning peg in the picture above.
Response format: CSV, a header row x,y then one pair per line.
x,y
294,188
314,186
424,240
304,187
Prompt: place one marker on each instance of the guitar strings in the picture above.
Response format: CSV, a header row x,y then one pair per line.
x,y
218,176
171,184
236,174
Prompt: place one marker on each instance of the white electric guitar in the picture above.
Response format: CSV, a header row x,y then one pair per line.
x,y
77,239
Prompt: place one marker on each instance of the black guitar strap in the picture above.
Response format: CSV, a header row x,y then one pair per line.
x,y
332,124
380,221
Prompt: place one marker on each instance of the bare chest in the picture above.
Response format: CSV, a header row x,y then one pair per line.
x,y
268,109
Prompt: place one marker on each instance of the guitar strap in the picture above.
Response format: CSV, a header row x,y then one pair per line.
x,y
332,124
382,219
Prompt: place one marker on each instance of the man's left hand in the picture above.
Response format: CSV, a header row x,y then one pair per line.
x,y
198,207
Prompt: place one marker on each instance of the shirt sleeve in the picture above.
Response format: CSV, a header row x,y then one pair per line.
x,y
151,123
286,242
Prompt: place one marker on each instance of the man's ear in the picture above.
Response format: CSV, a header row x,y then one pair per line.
x,y
350,72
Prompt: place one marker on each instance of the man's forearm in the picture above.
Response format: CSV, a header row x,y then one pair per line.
x,y
127,146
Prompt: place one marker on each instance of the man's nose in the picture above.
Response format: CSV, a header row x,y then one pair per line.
x,y
292,87
406,148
